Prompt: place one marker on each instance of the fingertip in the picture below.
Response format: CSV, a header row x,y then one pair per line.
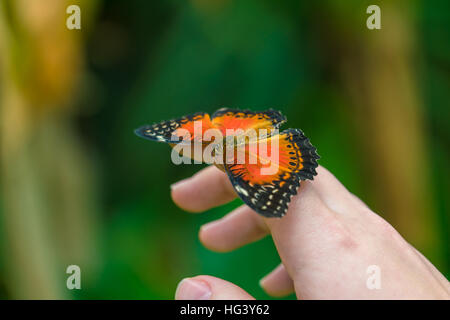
x,y
269,291
207,236
222,289
208,188
277,283
234,230
193,289
180,193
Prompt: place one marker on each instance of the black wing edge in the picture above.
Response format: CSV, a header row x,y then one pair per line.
x,y
257,197
308,153
279,196
162,131
276,116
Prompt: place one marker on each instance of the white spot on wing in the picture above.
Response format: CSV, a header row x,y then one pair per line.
x,y
241,190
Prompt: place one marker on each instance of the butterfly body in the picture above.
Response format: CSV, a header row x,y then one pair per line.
x,y
265,166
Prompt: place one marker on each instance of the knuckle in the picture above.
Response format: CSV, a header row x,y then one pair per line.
x,y
386,229
339,233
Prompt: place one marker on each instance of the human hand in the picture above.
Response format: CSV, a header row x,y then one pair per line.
x,y
326,242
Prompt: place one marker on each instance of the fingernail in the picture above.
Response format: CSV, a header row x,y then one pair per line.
x,y
262,282
177,184
190,289
210,225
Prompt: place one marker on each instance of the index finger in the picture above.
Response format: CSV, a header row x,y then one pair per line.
x,y
208,188
211,187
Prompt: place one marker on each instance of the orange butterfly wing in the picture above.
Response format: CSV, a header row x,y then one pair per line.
x,y
269,177
232,119
193,127
188,128
265,171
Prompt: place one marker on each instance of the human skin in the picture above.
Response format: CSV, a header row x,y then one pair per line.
x,y
326,242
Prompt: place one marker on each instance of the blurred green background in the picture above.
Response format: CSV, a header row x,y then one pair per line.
x,y
78,187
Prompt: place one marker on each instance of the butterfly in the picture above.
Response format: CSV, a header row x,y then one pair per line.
x,y
265,166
